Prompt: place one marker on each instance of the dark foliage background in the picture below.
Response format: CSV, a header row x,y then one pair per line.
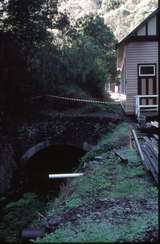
x,y
42,51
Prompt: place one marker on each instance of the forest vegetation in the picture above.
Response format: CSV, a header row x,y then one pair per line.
x,y
61,47
67,48
121,15
115,201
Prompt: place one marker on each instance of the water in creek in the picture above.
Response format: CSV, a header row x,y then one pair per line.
x,y
55,159
37,188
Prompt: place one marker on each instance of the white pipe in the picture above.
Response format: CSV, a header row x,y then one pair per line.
x,y
146,96
56,176
148,106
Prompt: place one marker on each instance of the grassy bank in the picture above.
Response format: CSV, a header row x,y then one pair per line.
x,y
20,210
113,201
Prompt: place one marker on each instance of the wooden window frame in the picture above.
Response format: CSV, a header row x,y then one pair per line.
x,y
146,65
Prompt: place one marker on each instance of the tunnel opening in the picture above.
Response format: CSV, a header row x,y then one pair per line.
x,y
33,188
55,159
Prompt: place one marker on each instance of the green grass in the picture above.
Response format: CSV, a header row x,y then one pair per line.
x,y
19,214
103,231
130,154
114,137
117,137
130,191
127,185
81,190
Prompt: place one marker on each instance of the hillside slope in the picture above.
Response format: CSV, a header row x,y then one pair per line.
x,y
125,18
122,16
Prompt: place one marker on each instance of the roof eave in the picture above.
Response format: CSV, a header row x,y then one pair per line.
x,y
133,31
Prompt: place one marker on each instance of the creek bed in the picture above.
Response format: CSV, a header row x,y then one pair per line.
x,y
30,202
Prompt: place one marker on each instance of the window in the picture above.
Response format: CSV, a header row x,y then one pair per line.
x,y
147,70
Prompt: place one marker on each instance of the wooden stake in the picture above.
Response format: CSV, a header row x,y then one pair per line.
x,y
138,145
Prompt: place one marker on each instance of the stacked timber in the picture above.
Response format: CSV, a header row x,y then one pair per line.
x,y
151,127
148,150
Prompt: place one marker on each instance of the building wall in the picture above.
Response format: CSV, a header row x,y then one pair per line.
x,y
123,83
149,28
137,53
152,24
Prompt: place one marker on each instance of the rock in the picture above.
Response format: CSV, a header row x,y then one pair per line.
x,y
103,199
99,158
54,221
128,209
32,233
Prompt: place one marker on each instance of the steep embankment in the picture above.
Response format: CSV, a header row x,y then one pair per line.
x,y
114,201
64,122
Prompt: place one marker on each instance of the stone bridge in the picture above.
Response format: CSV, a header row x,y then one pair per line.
x,y
29,138
78,131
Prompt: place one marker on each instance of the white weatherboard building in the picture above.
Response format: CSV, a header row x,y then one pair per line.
x,y
137,61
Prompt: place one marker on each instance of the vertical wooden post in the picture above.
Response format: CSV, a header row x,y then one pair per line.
x,y
138,145
130,139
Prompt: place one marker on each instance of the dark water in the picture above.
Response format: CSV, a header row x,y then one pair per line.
x,y
54,159
34,179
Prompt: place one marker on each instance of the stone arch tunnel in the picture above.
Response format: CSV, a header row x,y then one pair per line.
x,y
44,159
30,138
